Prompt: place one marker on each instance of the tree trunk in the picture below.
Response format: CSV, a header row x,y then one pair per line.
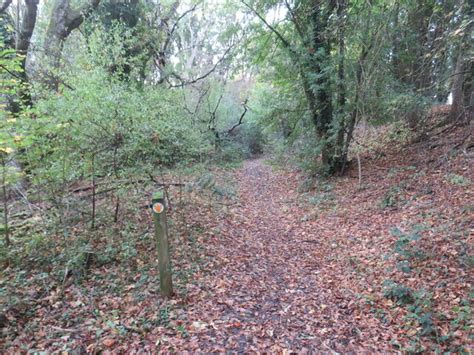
x,y
457,107
64,19
27,26
341,87
322,111
462,89
468,89
22,45
4,6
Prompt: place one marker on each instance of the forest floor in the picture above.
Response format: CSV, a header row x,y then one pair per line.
x,y
270,290
381,266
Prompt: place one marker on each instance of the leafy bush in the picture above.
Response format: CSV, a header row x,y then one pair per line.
x,y
398,292
404,244
458,180
392,197
123,127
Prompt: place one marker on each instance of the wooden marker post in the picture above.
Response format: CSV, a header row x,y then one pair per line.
x,y
161,235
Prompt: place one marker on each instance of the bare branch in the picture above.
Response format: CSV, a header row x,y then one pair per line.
x,y
270,27
240,119
15,75
175,26
185,82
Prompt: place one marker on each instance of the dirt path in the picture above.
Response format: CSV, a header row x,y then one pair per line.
x,y
271,293
278,271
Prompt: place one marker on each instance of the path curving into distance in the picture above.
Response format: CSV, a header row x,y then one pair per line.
x,y
267,289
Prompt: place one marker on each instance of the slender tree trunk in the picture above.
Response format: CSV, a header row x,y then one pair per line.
x,y
6,227
353,118
93,193
341,87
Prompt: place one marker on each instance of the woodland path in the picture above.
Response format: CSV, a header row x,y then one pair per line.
x,y
270,292
276,270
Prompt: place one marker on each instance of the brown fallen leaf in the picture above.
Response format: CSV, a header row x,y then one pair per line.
x,y
109,342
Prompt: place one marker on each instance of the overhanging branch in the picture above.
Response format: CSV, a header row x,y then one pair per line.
x,y
241,119
185,82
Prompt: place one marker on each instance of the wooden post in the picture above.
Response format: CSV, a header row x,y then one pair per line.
x,y
5,202
162,246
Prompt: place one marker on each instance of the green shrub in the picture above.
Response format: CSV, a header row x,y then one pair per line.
x,y
458,180
398,292
404,245
392,197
